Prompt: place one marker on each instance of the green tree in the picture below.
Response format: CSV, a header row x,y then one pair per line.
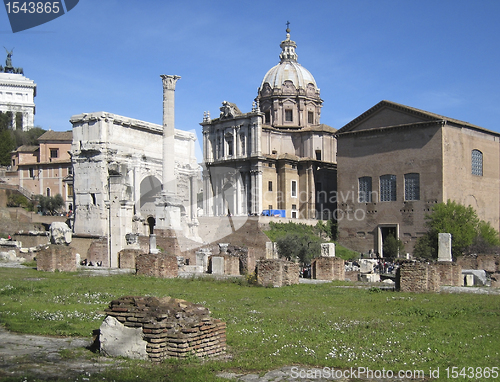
x,y
29,137
50,204
7,145
463,224
393,246
302,247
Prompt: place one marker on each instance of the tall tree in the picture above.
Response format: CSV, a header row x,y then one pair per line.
x,y
463,224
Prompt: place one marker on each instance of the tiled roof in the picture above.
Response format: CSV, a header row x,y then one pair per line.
x,y
56,136
26,149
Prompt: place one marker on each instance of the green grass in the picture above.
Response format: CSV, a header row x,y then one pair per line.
x,y
308,324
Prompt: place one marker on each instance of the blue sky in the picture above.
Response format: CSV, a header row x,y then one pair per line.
x,y
442,56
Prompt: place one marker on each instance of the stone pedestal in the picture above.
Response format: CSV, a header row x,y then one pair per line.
x,y
327,249
202,258
217,265
444,247
152,244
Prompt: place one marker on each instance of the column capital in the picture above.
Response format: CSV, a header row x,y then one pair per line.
x,y
169,81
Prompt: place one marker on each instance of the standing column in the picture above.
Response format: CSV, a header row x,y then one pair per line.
x,y
169,186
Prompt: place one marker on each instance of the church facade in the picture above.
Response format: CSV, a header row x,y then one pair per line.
x,y
396,162
277,159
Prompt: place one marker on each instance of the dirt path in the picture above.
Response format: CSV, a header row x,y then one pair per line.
x,y
46,357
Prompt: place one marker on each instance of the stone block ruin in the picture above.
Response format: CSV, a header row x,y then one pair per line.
x,y
427,277
157,265
277,273
58,256
158,328
328,268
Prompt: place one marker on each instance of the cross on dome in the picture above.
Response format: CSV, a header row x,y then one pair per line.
x,y
288,47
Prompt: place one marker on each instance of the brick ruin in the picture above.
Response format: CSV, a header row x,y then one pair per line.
x,y
157,265
427,277
277,272
56,258
328,268
171,328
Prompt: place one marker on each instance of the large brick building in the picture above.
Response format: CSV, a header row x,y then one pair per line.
x,y
396,162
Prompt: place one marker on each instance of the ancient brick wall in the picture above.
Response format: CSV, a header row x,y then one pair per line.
x,y
231,265
157,265
166,239
291,273
490,263
98,251
428,277
126,257
417,277
171,327
56,257
328,268
251,261
277,273
351,275
449,273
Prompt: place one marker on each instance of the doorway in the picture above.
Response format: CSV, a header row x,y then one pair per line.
x,y
385,230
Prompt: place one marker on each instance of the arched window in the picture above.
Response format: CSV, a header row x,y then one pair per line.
x,y
477,162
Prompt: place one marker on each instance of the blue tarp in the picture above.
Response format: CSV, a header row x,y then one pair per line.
x,y
276,213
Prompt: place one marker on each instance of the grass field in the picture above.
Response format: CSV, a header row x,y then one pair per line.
x,y
320,325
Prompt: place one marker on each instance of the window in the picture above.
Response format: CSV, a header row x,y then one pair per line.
x,y
294,206
48,191
388,188
32,172
54,153
288,116
294,214
318,154
230,147
294,188
242,140
310,117
70,190
412,186
268,117
477,163
270,207
365,189
270,186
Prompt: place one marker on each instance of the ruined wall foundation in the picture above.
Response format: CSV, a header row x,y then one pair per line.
x,y
328,268
277,273
56,258
170,327
157,265
427,277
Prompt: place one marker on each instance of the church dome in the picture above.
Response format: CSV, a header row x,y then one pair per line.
x,y
288,69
